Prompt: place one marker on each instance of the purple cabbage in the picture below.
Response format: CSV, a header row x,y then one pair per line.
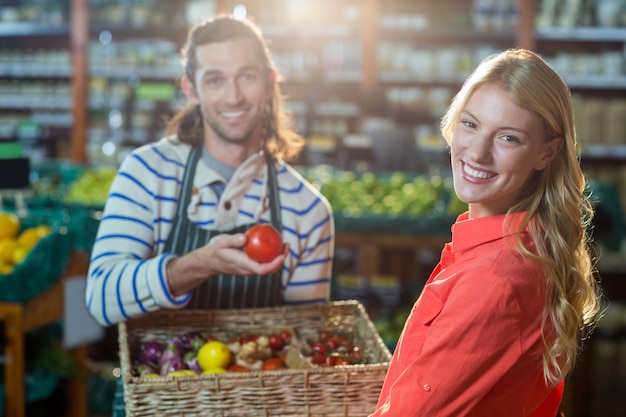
x,y
196,343
171,359
150,353
189,341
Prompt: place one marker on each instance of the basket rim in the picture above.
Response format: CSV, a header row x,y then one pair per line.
x,y
339,369
322,307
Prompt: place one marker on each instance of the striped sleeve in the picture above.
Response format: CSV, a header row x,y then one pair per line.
x,y
125,278
309,226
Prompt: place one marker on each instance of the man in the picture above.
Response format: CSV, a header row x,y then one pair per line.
x,y
172,228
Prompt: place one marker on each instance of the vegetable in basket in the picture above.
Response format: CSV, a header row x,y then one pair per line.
x,y
171,359
151,352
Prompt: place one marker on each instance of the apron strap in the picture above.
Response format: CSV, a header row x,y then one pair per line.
x,y
274,195
175,242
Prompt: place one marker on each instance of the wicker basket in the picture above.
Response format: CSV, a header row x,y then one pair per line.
x,y
350,390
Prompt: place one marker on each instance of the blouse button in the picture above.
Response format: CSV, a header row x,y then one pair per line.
x,y
194,191
426,387
227,205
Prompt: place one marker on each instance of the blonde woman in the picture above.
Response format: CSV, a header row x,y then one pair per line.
x,y
499,324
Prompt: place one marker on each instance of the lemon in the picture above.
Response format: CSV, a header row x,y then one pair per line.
x,y
19,254
7,247
9,225
44,230
5,268
214,354
182,372
29,238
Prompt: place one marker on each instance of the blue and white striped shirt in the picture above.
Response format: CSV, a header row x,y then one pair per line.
x,y
127,269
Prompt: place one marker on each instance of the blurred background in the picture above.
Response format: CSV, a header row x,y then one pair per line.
x,y
84,82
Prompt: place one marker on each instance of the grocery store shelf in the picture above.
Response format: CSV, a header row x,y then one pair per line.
x,y
38,102
122,72
449,35
605,151
399,77
587,34
612,262
370,247
319,30
46,70
599,81
33,29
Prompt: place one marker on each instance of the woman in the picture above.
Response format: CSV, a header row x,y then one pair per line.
x,y
499,323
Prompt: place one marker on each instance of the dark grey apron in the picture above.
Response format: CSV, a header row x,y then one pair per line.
x,y
224,291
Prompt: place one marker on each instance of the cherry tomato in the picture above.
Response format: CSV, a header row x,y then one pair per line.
x,y
286,335
318,348
237,368
356,356
331,360
323,335
342,360
263,243
272,364
276,341
332,344
245,338
318,358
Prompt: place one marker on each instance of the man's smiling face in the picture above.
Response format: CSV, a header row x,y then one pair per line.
x,y
232,86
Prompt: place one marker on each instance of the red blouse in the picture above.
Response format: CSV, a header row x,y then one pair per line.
x,y
472,344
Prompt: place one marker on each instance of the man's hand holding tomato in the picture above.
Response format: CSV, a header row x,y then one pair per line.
x,y
222,255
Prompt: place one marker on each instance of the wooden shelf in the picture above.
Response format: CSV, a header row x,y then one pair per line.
x,y
370,248
19,319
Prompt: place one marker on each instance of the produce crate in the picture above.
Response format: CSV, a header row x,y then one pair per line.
x,y
45,262
348,390
438,224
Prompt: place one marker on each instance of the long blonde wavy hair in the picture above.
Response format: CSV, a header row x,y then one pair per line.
x,y
558,210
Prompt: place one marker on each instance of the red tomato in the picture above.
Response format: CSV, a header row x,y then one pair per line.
x,y
272,364
276,341
264,243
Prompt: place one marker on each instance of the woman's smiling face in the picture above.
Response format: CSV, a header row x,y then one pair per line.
x,y
496,148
